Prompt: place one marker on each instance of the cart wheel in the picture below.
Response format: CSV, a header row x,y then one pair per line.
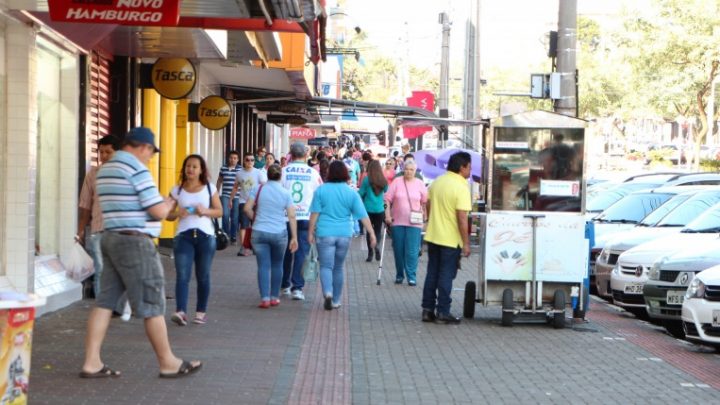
x,y
507,303
559,304
469,304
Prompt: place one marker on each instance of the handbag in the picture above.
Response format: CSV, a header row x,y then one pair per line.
x,y
222,240
311,265
416,217
247,239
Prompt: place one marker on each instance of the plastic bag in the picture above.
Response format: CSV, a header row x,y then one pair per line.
x,y
78,264
311,266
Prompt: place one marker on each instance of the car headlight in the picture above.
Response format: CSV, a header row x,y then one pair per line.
x,y
696,289
654,273
604,255
616,270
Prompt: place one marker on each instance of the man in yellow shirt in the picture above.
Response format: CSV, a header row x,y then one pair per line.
x,y
449,202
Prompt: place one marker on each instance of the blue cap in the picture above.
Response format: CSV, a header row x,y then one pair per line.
x,y
142,135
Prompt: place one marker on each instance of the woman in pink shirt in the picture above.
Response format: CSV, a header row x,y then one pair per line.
x,y
390,169
406,212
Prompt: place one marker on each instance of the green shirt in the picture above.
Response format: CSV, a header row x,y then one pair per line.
x,y
374,203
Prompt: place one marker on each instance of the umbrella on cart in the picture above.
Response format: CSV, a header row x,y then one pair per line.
x,y
433,162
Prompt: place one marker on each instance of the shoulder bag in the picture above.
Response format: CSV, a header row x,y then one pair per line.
x,y
416,217
247,244
221,239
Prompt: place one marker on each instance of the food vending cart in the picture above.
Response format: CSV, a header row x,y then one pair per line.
x,y
533,255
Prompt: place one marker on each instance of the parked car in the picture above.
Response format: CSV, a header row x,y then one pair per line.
x,y
626,284
669,278
701,308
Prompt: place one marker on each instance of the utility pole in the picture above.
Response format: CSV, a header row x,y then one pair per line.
x,y
566,56
472,81
444,75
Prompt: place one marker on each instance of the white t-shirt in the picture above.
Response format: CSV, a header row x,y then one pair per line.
x,y
302,181
187,199
247,180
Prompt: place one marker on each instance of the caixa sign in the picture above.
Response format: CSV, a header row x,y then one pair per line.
x,y
214,112
124,12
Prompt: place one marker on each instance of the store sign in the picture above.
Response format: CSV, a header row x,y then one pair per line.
x,y
214,112
124,12
173,78
302,133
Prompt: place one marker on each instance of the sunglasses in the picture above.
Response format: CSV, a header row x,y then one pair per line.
x,y
249,160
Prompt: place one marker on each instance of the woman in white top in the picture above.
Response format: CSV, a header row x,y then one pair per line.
x,y
197,202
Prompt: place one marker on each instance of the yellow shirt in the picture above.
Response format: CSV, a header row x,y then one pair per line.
x,y
448,193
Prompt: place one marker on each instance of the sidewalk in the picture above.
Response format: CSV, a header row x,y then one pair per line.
x,y
374,349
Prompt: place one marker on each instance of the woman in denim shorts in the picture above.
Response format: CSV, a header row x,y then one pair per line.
x,y
197,202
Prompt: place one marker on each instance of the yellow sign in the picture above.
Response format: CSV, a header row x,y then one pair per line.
x,y
173,78
214,112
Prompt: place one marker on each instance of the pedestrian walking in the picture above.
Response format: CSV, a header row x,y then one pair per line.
x,y
225,183
449,202
405,213
269,207
197,203
390,169
132,210
372,191
301,181
245,181
333,207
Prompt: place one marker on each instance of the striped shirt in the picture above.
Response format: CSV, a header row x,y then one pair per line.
x,y
228,179
126,190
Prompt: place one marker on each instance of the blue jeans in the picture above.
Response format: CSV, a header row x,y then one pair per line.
x,y
269,251
406,247
193,246
230,217
331,254
441,271
292,266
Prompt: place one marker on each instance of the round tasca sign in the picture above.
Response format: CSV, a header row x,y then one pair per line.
x,y
173,78
214,112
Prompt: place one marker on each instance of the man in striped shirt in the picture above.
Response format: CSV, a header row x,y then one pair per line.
x,y
225,182
132,209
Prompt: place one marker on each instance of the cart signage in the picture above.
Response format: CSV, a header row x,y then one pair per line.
x,y
561,248
511,145
124,12
560,188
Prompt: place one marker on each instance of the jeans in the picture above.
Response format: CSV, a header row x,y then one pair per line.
x,y
230,217
193,246
292,266
269,252
441,271
376,219
331,254
406,246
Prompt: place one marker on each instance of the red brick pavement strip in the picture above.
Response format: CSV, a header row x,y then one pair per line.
x,y
702,366
323,375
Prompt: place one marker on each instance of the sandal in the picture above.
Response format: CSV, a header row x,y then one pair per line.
x,y
104,372
200,319
179,318
186,368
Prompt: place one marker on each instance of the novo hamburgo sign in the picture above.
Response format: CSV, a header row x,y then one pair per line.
x,y
124,12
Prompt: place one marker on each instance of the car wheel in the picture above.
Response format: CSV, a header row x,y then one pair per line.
x,y
507,304
675,328
469,303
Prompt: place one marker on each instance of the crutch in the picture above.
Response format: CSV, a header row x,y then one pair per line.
x,y
382,254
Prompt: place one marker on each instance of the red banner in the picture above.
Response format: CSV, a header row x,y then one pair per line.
x,y
424,100
302,133
124,12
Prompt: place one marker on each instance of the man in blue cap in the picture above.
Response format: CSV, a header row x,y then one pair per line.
x,y
132,210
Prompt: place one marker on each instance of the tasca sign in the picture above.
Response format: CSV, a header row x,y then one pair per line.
x,y
302,133
173,78
125,12
214,112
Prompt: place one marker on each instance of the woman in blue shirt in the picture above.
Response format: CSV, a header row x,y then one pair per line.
x,y
333,208
372,191
267,207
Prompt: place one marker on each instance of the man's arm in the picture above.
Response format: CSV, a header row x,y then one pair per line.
x,y
462,219
218,185
162,209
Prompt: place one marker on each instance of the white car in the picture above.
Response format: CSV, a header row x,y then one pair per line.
x,y
701,308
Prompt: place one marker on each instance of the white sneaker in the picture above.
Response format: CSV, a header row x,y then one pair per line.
x,y
336,306
127,312
286,291
298,295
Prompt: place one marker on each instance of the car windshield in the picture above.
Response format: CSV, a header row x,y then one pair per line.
x,y
610,197
690,209
707,222
656,216
633,207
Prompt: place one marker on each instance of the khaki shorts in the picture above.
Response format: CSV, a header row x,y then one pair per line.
x,y
132,264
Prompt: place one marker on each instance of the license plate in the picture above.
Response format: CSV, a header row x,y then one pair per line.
x,y
675,297
634,288
716,318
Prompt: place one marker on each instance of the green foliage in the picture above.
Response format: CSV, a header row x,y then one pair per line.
x,y
710,165
659,156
